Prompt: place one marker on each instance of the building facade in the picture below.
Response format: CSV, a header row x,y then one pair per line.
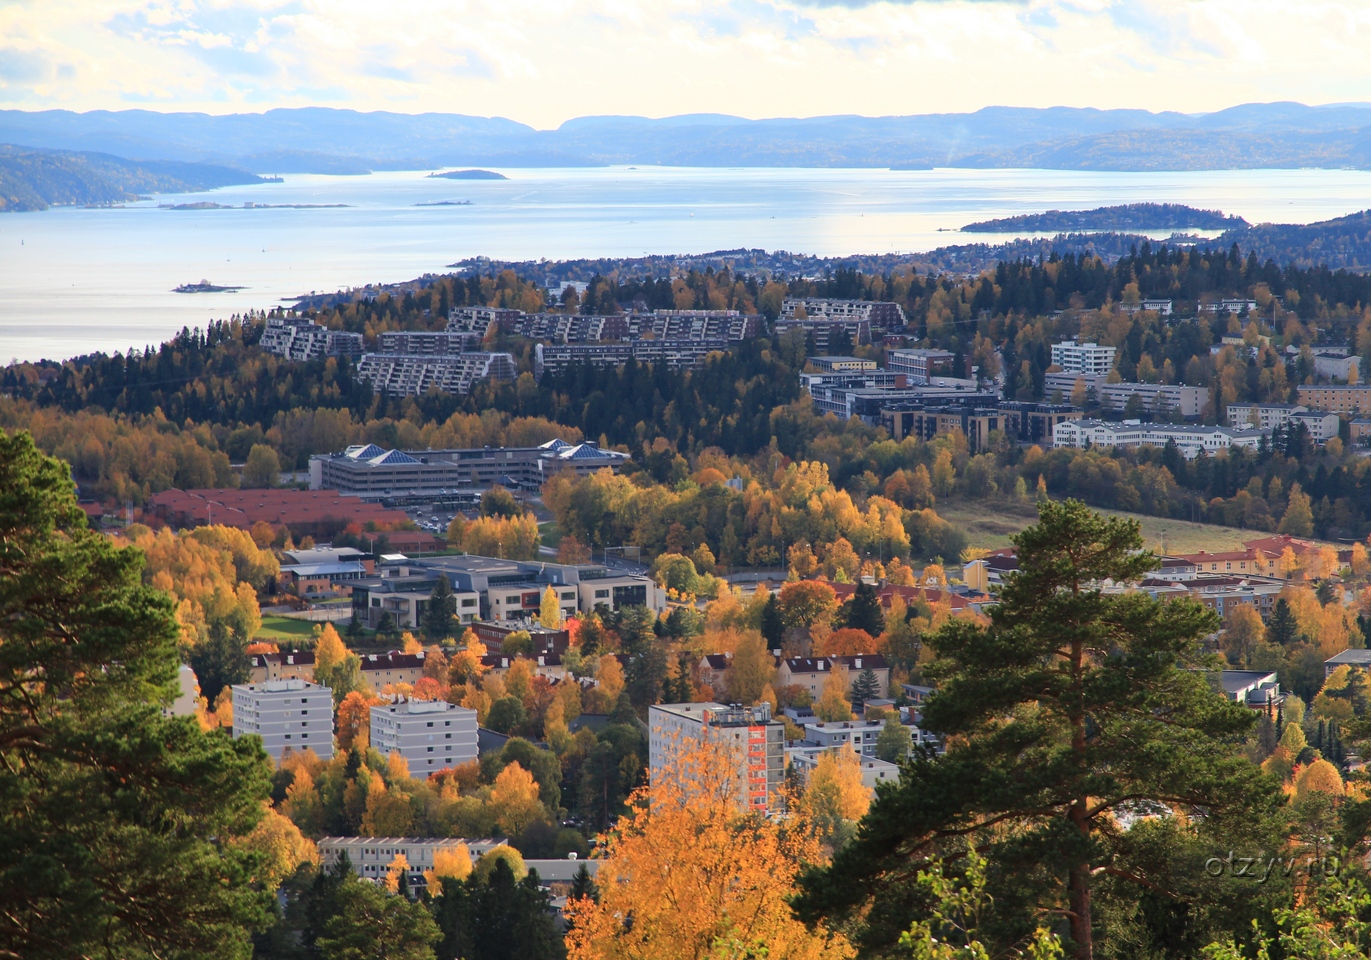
x,y
1189,440
289,716
1346,400
402,374
1088,358
431,735
759,741
296,338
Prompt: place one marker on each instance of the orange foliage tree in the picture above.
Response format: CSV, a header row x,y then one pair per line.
x,y
847,642
698,876
354,720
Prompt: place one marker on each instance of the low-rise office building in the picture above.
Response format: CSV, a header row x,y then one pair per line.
x,y
1189,440
1176,398
841,364
366,470
494,589
289,716
430,734
371,857
921,365
758,739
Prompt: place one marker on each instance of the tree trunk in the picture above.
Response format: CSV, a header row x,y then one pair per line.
x,y
1081,931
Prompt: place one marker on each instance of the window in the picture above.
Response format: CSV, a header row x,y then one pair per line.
x,y
430,749
468,602
430,723
447,723
447,736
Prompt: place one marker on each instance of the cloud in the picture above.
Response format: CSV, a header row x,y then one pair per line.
x,y
543,61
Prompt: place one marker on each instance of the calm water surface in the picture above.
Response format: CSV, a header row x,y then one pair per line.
x,y
76,280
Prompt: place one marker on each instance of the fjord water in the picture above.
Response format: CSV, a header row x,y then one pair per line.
x,y
75,280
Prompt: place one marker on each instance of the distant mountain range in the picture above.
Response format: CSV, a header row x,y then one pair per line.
x,y
323,140
37,179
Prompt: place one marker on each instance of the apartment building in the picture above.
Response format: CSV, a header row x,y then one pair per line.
x,y
759,741
1346,400
366,470
430,734
823,332
674,353
399,374
1268,416
1190,440
1163,308
1088,358
878,315
483,321
285,665
428,343
1189,402
380,669
920,365
1337,366
289,715
811,673
1021,421
1322,426
296,338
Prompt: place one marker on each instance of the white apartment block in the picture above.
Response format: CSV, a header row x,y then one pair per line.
x,y
371,857
430,734
1163,308
296,338
879,314
1189,439
456,373
1089,358
759,739
289,715
1322,426
1268,416
1156,397
1229,306
1333,367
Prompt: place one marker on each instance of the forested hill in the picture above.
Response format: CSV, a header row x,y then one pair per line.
x,y
32,179
1126,217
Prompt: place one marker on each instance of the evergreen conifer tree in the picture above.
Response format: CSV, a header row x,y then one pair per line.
x,y
772,626
864,611
865,687
440,616
1109,708
1282,629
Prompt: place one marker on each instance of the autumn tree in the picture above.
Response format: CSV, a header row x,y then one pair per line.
x,y
335,666
834,705
353,724
1109,708
550,611
1299,517
687,872
1243,634
749,671
834,797
805,603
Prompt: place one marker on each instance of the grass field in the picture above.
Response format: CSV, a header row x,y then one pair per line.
x,y
988,524
284,628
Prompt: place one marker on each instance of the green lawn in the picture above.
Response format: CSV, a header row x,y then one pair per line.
x,y
285,628
990,524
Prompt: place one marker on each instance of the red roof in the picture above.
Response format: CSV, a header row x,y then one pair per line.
x,y
887,592
243,508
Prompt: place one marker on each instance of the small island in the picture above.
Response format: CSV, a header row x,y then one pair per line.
x,y
470,175
444,203
1125,217
204,286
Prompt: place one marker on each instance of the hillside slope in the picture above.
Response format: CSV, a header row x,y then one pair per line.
x,y
33,179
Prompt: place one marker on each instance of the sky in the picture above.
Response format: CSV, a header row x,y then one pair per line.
x,y
542,62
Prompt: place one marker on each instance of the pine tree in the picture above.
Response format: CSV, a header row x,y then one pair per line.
x,y
582,886
772,626
1109,708
440,617
122,827
1282,629
864,610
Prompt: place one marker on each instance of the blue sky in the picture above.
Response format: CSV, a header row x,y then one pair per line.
x,y
545,61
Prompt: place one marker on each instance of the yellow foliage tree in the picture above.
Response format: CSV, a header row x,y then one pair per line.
x,y
410,644
834,705
329,650
486,865
834,796
550,610
283,846
397,867
466,662
1320,776
302,802
514,800
694,872
448,864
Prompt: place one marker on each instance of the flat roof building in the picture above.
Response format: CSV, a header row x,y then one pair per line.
x,y
366,470
289,716
430,734
1189,440
1343,399
1076,357
759,742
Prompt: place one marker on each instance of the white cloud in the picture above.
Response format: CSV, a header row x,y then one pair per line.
x,y
543,61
